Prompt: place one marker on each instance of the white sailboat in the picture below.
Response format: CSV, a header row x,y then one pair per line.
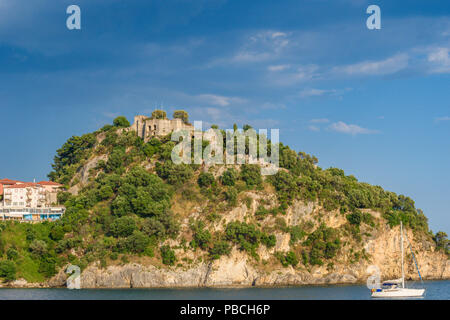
x,y
396,288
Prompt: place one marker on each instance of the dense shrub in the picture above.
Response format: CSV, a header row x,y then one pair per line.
x,y
168,255
251,174
219,248
175,174
247,236
205,179
296,233
229,177
288,259
181,114
442,242
121,122
231,195
12,254
122,227
137,242
324,243
159,114
7,270
268,240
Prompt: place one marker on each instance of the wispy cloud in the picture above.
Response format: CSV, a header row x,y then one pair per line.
x,y
387,66
313,128
261,46
352,129
218,100
315,92
440,60
279,67
319,120
297,75
442,119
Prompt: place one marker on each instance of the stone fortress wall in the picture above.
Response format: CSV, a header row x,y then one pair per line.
x,y
147,128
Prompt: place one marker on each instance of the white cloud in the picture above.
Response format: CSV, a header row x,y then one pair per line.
x,y
251,56
387,66
217,100
440,60
279,67
314,128
261,46
319,120
301,74
442,119
314,92
352,129
278,34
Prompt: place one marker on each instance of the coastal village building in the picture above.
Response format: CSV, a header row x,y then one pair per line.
x,y
29,201
147,128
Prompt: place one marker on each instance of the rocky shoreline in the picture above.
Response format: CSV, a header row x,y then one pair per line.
x,y
234,271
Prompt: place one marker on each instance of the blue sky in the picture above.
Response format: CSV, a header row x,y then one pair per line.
x,y
373,102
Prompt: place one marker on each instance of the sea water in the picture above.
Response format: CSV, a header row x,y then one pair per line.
x,y
436,290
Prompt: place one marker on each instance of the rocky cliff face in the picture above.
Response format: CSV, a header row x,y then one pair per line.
x,y
381,246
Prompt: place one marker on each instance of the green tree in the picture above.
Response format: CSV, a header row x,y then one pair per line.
x,y
175,174
441,240
219,248
121,122
38,247
137,242
123,226
105,192
289,258
7,270
205,179
12,254
159,114
251,174
202,237
181,114
355,217
231,195
168,255
57,233
229,177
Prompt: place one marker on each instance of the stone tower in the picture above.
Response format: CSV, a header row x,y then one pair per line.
x,y
147,128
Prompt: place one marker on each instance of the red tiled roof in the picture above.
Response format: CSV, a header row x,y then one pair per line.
x,y
1,189
49,183
9,181
22,185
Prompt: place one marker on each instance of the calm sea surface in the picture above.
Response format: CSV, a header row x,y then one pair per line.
x,y
437,290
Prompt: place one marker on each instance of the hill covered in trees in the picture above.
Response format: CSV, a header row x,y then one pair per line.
x,y
128,203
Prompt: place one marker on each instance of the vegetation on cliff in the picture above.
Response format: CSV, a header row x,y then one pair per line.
x,y
134,204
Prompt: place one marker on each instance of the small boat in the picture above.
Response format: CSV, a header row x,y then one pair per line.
x,y
396,288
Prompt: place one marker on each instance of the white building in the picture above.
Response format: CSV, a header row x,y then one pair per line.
x,y
29,201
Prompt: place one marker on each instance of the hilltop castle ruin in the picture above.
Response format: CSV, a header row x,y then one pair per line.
x,y
158,125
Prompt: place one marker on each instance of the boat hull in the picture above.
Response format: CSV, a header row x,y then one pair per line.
x,y
398,293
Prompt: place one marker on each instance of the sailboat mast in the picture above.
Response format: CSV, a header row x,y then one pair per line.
x,y
401,244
